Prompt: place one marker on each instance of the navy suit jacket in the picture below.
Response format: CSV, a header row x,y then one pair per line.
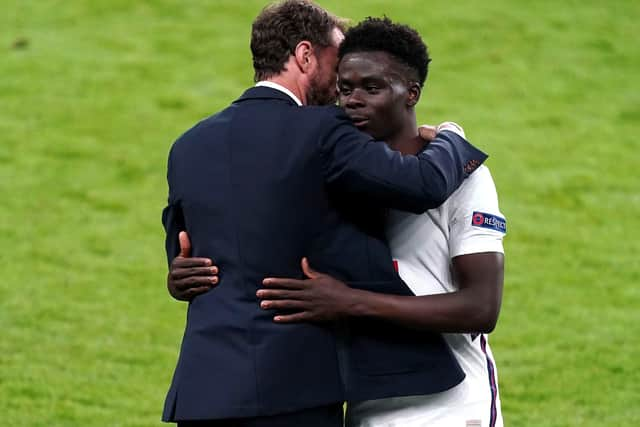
x,y
262,184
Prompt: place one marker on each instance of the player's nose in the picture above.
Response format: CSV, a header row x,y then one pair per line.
x,y
355,100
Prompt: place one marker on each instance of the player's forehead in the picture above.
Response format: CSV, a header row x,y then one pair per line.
x,y
369,64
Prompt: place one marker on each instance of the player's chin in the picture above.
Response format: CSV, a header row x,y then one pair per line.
x,y
362,125
367,128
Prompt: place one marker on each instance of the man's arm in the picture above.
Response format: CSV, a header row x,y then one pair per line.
x,y
188,277
355,163
473,308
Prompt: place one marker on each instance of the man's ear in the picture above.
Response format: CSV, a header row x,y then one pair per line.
x,y
304,55
413,94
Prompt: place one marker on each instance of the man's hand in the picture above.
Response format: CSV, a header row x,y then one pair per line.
x,y
320,298
451,126
427,132
189,277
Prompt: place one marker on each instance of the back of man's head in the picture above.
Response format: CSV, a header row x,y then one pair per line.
x,y
281,26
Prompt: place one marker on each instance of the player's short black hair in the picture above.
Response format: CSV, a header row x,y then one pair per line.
x,y
381,34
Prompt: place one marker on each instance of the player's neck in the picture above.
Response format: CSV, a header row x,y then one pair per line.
x,y
406,139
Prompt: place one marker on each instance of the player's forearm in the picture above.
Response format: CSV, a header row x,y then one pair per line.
x,y
464,311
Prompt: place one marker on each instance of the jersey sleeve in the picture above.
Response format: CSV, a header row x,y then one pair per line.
x,y
475,221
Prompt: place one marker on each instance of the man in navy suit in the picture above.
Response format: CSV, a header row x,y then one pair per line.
x,y
272,178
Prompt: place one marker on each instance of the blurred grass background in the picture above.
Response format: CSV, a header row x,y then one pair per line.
x,y
93,92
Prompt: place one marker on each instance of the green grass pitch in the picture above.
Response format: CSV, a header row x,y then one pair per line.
x,y
92,94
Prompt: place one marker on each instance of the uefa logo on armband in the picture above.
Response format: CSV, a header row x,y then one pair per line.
x,y
492,222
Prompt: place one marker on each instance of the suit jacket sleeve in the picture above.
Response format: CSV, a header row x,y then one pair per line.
x,y
355,163
172,220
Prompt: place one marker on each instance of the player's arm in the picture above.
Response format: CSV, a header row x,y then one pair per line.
x,y
477,265
473,308
355,163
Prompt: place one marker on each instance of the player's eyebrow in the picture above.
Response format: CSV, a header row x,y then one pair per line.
x,y
375,78
372,78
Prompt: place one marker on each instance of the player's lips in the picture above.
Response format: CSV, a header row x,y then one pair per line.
x,y
359,121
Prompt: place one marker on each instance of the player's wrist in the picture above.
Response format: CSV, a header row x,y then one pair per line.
x,y
360,303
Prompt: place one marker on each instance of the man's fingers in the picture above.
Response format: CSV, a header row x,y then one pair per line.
x,y
279,282
427,132
292,318
180,262
284,304
185,244
195,282
451,126
182,272
307,270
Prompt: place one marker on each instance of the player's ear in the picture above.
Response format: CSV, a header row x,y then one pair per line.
x,y
304,55
413,94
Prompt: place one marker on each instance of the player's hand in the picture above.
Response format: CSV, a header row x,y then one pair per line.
x,y
427,132
189,277
317,299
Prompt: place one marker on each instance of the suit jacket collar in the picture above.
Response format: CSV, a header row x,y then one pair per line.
x,y
263,92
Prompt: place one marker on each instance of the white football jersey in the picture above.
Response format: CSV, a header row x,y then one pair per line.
x,y
422,246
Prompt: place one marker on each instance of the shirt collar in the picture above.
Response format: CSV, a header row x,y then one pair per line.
x,y
281,88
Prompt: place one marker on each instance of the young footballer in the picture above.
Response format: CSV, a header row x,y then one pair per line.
x,y
451,257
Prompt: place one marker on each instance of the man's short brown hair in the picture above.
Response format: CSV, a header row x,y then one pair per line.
x,y
281,26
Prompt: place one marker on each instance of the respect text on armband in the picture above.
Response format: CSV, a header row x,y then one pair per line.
x,y
486,220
